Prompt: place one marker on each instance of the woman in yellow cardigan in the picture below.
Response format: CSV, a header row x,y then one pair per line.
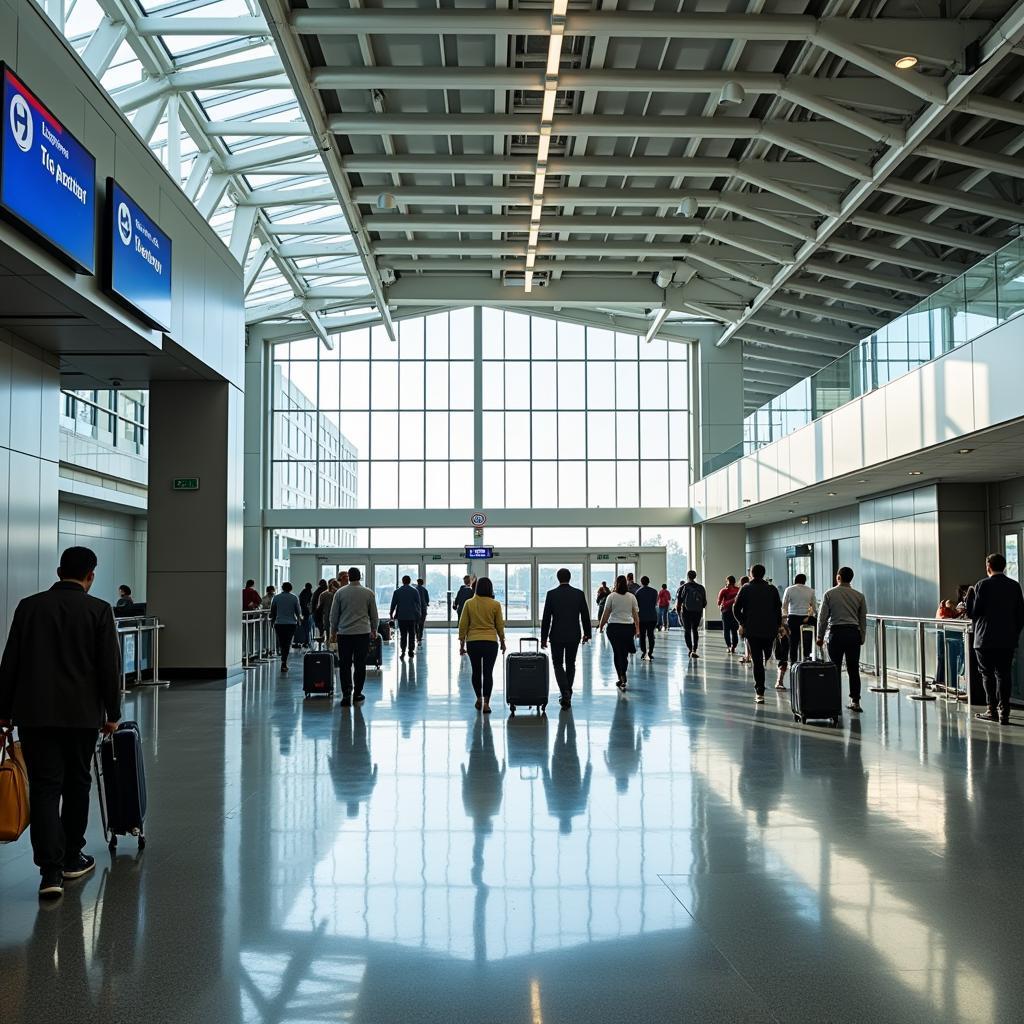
x,y
481,629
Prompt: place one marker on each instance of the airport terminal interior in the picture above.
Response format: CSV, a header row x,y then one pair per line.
x,y
485,290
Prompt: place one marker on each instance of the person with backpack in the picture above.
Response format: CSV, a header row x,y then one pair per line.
x,y
664,604
694,599
758,609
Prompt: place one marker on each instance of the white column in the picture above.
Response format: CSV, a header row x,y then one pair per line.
x,y
719,400
721,550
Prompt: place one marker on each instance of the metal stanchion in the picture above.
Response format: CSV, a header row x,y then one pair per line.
x,y
883,665
156,680
923,674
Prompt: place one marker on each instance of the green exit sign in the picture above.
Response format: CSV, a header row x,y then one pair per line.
x,y
185,483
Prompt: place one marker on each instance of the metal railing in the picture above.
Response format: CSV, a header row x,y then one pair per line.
x,y
930,655
258,642
134,634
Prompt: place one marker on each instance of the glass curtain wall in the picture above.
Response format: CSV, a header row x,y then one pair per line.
x,y
570,416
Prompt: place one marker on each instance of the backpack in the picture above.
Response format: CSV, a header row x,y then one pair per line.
x,y
693,599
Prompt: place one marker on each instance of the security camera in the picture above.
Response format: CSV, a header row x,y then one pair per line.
x,y
115,383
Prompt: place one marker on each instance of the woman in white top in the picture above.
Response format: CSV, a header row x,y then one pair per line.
x,y
622,617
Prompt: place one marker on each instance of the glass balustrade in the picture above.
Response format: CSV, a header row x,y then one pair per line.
x,y
981,298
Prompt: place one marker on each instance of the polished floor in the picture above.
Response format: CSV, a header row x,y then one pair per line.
x,y
677,854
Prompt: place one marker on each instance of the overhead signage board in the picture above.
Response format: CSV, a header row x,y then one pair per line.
x,y
185,483
47,177
481,553
139,258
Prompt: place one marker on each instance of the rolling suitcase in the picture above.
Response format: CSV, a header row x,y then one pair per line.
x,y
526,678
318,674
673,619
373,652
816,691
121,781
384,629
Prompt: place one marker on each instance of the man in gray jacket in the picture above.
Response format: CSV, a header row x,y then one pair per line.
x,y
353,624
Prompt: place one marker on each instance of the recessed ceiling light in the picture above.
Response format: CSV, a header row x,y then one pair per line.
x,y
906,63
914,472
964,451
831,494
862,481
804,521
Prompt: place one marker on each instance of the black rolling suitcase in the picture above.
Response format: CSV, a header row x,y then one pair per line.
x,y
373,652
384,629
121,781
526,678
816,691
318,673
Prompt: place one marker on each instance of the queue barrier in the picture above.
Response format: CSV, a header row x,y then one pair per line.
x,y
258,641
138,637
897,650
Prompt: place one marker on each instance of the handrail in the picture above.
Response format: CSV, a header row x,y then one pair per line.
x,y
134,626
257,641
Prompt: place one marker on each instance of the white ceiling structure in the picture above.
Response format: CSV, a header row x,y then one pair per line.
x,y
759,164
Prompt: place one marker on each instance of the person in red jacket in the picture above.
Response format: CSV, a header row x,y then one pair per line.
x,y
664,603
726,599
250,597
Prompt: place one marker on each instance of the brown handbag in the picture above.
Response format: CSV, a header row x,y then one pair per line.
x,y
13,789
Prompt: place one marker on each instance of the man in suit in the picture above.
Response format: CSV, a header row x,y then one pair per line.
x,y
60,684
565,615
464,594
647,603
425,600
407,608
996,606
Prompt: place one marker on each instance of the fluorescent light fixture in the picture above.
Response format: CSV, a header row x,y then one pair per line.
x,y
832,494
554,59
533,237
964,451
547,107
538,181
558,8
906,63
914,472
545,128
528,281
531,259
543,146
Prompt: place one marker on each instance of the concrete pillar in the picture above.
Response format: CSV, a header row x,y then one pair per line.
x,y
195,537
255,565
721,550
719,401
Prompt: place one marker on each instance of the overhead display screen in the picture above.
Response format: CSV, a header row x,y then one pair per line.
x,y
485,553
47,177
139,271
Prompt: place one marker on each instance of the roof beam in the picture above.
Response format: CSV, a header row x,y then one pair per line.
x,y
839,313
241,128
806,329
971,156
953,198
909,227
941,40
769,339
178,26
871,300
901,257
740,253
998,110
485,291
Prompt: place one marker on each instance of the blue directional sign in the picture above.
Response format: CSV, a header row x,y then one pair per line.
x,y
47,177
475,553
139,272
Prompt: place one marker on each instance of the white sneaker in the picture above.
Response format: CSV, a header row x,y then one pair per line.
x,y
759,698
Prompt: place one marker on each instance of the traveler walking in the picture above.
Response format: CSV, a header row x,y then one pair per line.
x,y
745,659
250,597
726,599
844,613
996,607
565,620
602,595
464,594
353,623
694,601
799,605
631,584
60,684
481,632
647,606
758,610
664,605
302,634
285,616
323,606
679,599
407,608
425,607
314,607
622,617
268,597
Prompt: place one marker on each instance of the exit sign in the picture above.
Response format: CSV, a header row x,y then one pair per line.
x,y
185,483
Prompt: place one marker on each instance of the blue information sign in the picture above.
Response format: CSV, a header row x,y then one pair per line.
x,y
484,553
47,177
139,274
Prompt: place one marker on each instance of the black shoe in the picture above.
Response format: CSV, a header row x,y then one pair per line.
x,y
565,702
359,698
1004,719
81,865
51,885
987,716
346,702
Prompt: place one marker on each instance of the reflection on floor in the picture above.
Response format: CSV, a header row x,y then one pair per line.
x,y
675,855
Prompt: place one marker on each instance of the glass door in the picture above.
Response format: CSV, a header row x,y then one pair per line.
x,y
443,582
513,587
387,577
1011,547
547,579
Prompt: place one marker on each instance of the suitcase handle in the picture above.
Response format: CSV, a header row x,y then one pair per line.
x,y
529,640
